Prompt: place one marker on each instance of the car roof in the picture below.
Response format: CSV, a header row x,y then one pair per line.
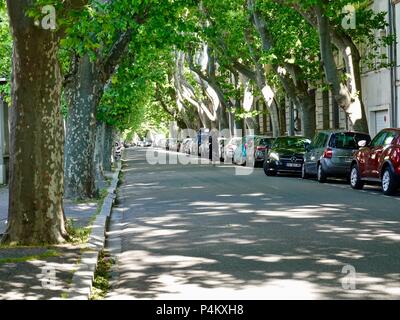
x,y
299,137
392,129
341,131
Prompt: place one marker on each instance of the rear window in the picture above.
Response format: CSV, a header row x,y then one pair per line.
x,y
348,140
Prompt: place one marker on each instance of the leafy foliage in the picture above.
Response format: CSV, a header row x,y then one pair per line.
x,y
5,50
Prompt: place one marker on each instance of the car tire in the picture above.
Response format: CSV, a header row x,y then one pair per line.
x,y
304,174
355,178
389,184
269,173
321,175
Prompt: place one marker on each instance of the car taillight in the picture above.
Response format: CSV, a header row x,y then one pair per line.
x,y
328,154
261,148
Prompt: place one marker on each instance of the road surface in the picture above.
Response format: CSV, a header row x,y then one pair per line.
x,y
204,232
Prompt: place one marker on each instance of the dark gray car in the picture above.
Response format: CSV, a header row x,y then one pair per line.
x,y
330,154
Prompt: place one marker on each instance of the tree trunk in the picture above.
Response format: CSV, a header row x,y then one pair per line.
x,y
99,152
282,118
36,140
81,132
326,110
360,124
346,96
264,118
107,150
308,108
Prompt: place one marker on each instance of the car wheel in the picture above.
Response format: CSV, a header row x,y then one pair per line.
x,y
355,178
321,175
267,171
389,185
304,174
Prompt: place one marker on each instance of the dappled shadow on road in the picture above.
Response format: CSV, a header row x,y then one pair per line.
x,y
206,238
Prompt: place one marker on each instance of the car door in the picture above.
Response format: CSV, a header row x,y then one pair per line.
x,y
320,149
381,154
311,156
373,154
309,153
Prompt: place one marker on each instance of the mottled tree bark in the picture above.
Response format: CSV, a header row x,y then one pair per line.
x,y
84,90
81,94
309,119
98,154
282,118
107,150
36,140
326,110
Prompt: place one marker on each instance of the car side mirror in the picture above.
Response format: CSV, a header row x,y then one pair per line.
x,y
362,143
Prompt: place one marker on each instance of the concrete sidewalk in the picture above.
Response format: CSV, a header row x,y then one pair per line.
x,y
39,273
80,213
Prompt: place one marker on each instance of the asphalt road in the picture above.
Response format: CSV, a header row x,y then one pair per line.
x,y
204,232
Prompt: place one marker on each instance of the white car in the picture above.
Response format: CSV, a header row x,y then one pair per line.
x,y
231,147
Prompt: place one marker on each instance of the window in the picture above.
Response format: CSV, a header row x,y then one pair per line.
x,y
379,140
389,138
290,142
347,140
320,140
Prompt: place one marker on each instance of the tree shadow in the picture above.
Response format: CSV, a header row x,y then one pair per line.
x,y
252,237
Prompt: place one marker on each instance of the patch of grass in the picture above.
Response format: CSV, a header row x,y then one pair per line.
x,y
77,235
80,235
48,254
121,179
101,283
64,295
102,195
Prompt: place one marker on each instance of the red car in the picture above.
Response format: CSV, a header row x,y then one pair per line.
x,y
378,162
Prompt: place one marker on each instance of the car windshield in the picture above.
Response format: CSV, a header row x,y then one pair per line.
x,y
291,142
235,141
265,142
348,140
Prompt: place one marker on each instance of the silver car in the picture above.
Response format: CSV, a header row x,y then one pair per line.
x,y
330,154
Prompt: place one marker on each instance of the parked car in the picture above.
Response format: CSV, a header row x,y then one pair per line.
x,y
230,148
261,147
148,143
378,162
330,154
240,154
239,157
187,145
200,144
204,146
286,155
179,145
141,143
171,144
221,147
257,145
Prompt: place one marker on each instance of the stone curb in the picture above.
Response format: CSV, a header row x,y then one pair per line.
x,y
82,281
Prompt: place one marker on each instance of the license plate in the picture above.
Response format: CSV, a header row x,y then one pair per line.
x,y
293,165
